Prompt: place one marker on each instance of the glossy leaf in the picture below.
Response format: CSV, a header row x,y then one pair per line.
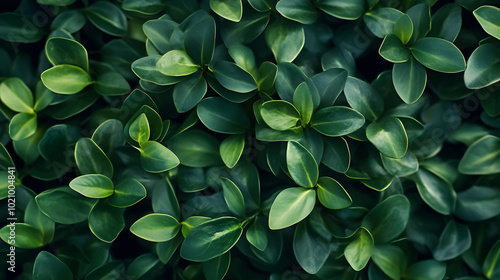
x,y
66,51
483,68
393,50
127,192
490,266
66,79
390,259
381,21
336,154
291,206
428,269
389,137
176,63
438,54
440,22
279,115
436,192
337,121
404,166
108,18
301,164
310,249
453,242
93,185
139,129
64,205
106,221
257,236
146,69
363,98
222,116
349,10
403,28
233,77
22,126
26,236
47,265
231,10
331,194
233,197
90,159
231,149
216,268
481,157
409,79
478,203
285,39
421,20
303,101
297,10
16,95
360,249
487,16
199,39
196,148
157,158
156,227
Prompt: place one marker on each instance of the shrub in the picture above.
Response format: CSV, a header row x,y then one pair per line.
x,y
259,139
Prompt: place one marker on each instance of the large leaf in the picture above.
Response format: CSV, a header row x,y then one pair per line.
x,y
364,98
127,192
301,164
428,270
438,54
211,239
90,159
15,27
310,249
66,79
436,192
93,185
222,116
285,39
331,194
453,242
106,221
389,136
337,121
231,149
16,95
229,9
176,63
22,126
199,40
108,18
489,18
216,268
47,266
279,115
381,21
483,68
233,197
157,158
25,236
196,148
233,77
393,50
297,10
189,92
390,259
478,203
336,154
64,205
420,16
66,51
360,249
343,9
482,157
440,22
409,79
291,206
156,227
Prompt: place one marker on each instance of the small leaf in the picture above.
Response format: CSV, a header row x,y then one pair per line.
x,y
436,192
304,103
145,68
297,10
257,236
285,39
393,50
438,54
90,159
231,149
229,9
403,29
156,158
279,115
47,266
176,63
222,116
108,18
301,164
217,268
453,242
483,67
67,51
343,9
488,17
66,79
191,223
16,95
22,126
364,98
93,185
291,206
409,79
139,129
359,250
233,197
127,192
389,136
233,77
211,239
156,227
332,195
337,121
106,222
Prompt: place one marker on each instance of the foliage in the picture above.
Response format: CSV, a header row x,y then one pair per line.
x,y
251,139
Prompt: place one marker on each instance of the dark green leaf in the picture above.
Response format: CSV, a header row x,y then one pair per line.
x,y
393,50
66,51
420,16
301,164
482,157
389,136
48,266
106,221
436,192
330,84
233,77
145,68
390,259
336,154
490,266
216,268
343,9
233,197
478,203
404,166
229,9
199,40
127,192
297,10
453,242
108,18
337,121
483,68
231,149
487,16
196,148
363,98
285,39
90,159
381,21
438,54
64,205
409,79
310,249
17,28
257,235
147,7
441,26
222,116
111,83
428,270
303,101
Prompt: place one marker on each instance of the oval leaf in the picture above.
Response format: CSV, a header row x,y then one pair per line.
x,y
438,54
332,195
66,79
222,116
301,164
337,121
157,158
156,227
389,136
93,185
291,206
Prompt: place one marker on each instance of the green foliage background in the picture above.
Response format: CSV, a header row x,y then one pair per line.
x,y
251,139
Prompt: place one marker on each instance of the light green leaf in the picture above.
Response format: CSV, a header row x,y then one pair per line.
x,y
390,259
191,223
156,158
26,236
482,157
301,164
359,250
156,227
403,28
145,68
279,115
409,79
22,126
67,51
337,121
489,18
176,63
16,95
93,185
303,101
66,79
491,264
90,159
343,9
389,137
233,197
297,10
291,206
139,129
331,194
231,149
285,39
229,9
211,239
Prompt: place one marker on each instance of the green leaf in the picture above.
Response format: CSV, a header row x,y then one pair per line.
x,y
311,249
264,133
279,115
211,239
251,25
139,129
331,194
229,9
339,57
330,84
257,236
436,192
297,10
156,158
285,39
222,116
337,121
426,270
336,154
233,77
165,250
93,185
5,158
388,219
66,51
363,98
420,16
64,205
390,259
66,79
389,137
16,95
393,50
440,22
148,7
483,68
26,236
381,21
291,206
301,164
245,58
144,266
199,40
145,68
127,192
164,199
108,18
33,216
409,79
156,227
70,20
404,166
488,17
231,149
482,157
439,55
176,63
111,83
233,197
217,268
491,265
453,242
303,101
403,28
56,2
478,203
48,267
189,92
360,249
18,28
191,223
22,126
106,221
343,9
196,148
90,159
